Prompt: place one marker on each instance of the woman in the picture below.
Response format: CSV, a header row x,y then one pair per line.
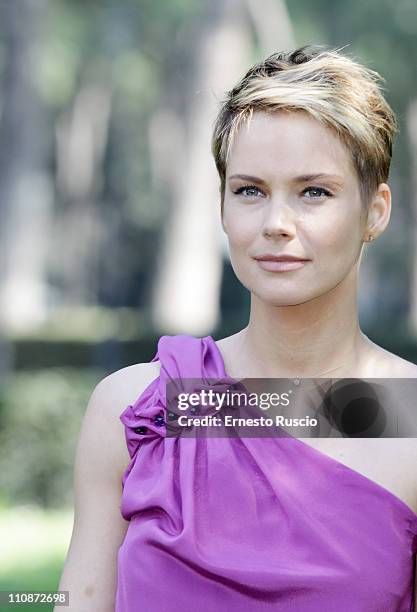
x,y
303,147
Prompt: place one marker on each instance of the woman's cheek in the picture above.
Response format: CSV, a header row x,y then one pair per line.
x,y
242,231
331,238
240,245
241,262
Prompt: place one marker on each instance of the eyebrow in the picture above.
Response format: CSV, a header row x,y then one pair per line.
x,y
303,178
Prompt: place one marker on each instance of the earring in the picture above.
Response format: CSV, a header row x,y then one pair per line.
x,y
370,238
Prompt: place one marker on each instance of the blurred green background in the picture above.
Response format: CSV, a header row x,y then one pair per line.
x,y
109,212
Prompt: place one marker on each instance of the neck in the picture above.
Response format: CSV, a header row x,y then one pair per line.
x,y
305,340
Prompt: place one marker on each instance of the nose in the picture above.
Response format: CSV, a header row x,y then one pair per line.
x,y
279,220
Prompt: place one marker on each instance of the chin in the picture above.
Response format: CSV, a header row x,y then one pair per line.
x,y
281,298
285,295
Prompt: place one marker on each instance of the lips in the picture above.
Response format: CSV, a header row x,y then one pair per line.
x,y
280,263
270,257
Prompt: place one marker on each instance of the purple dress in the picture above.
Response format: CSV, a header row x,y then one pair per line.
x,y
251,524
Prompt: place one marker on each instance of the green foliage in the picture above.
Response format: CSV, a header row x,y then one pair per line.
x,y
44,577
40,418
34,543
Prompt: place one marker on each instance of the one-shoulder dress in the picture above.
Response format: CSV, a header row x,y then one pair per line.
x,y
251,524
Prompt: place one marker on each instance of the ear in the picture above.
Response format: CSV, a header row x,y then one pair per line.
x,y
379,212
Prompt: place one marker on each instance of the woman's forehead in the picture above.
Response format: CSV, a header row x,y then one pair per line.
x,y
295,130
288,143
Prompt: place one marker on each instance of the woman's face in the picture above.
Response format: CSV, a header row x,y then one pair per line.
x,y
271,207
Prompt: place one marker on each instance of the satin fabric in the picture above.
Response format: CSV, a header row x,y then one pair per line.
x,y
251,524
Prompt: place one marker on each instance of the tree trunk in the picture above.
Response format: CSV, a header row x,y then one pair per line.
x,y
187,288
25,206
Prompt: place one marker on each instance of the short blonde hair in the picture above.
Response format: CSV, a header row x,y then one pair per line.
x,y
333,88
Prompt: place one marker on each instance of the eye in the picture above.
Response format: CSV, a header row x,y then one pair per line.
x,y
248,188
312,188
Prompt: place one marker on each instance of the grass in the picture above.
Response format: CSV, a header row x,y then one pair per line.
x,y
33,546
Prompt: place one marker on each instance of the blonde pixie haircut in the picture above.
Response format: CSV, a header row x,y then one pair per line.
x,y
339,92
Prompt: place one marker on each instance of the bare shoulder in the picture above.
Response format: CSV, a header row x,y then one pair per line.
x,y
108,400
124,386
390,365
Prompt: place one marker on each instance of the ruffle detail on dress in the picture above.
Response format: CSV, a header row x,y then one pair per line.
x,y
145,418
149,418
